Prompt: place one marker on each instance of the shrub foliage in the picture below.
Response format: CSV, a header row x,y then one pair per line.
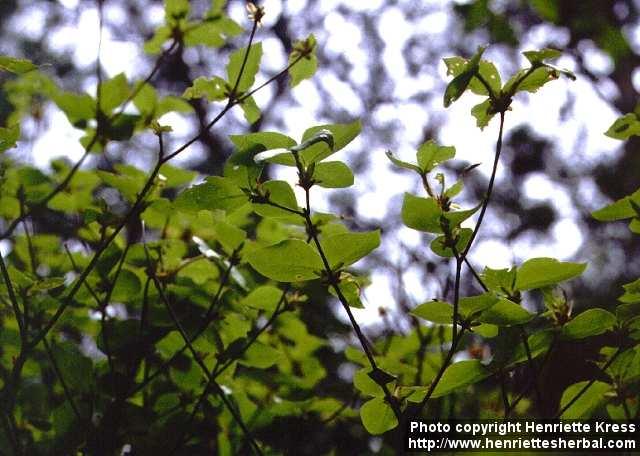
x,y
166,319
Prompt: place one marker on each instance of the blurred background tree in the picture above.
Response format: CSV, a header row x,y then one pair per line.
x,y
380,61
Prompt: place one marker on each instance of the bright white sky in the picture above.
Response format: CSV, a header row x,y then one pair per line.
x,y
380,189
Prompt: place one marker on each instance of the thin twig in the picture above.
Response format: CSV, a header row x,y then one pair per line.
x,y
334,283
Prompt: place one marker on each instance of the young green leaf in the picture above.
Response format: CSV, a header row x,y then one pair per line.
x,y
250,69
303,61
624,127
342,134
216,193
250,110
9,137
267,139
402,164
483,112
439,312
365,384
505,313
291,260
422,214
377,416
587,403
486,70
591,322
214,89
76,368
459,375
345,249
430,155
333,174
350,289
113,92
260,356
280,193
541,272
15,65
459,84
440,247
472,306
501,280
618,210
536,57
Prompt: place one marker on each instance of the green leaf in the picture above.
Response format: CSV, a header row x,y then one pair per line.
x,y
176,177
541,272
377,416
455,218
127,287
365,384
287,261
260,356
440,247
77,107
306,67
589,323
228,235
631,292
486,70
215,89
536,57
127,185
15,65
345,249
9,137
281,193
402,164
430,155
455,189
265,297
422,214
586,404
505,313
459,84
532,80
499,279
266,139
113,92
471,306
624,127
146,100
486,330
342,135
333,174
213,31
440,312
459,375
250,110
483,113
350,289
216,193
250,69
618,210
176,9
76,369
